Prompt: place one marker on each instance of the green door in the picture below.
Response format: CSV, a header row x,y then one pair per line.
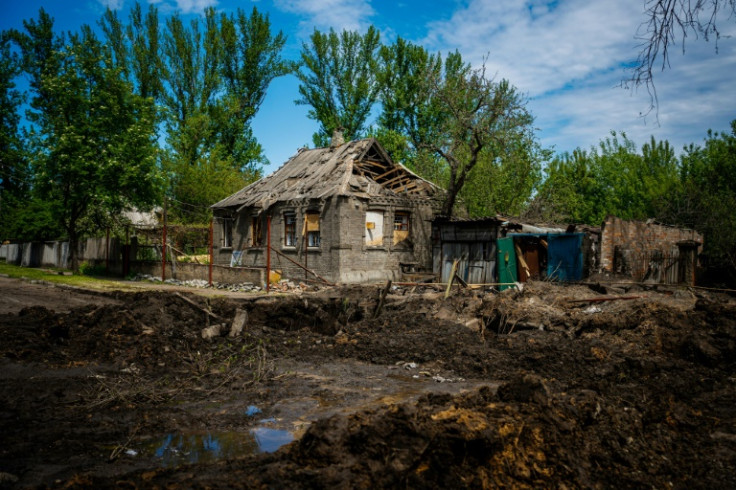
x,y
506,262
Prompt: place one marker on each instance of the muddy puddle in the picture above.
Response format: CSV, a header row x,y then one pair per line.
x,y
176,449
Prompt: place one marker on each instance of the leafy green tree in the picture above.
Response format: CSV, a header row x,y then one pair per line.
x,y
408,118
93,139
337,77
217,73
14,172
251,60
477,117
613,178
13,177
137,48
706,200
464,131
404,71
504,179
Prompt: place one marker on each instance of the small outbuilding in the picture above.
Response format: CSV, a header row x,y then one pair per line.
x,y
496,250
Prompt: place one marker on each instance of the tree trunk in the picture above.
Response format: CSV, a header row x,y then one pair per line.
x,y
450,201
73,250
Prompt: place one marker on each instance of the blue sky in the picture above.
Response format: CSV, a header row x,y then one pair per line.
x,y
567,56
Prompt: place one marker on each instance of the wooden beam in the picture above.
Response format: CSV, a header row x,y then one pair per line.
x,y
386,173
390,181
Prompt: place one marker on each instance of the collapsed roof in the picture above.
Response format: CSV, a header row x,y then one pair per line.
x,y
360,168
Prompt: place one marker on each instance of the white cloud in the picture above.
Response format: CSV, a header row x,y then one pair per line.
x,y
695,95
189,6
569,57
324,14
537,46
112,4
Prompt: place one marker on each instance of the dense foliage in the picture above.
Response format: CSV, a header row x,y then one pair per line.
x,y
156,108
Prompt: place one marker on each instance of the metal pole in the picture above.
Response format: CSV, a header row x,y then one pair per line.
x,y
305,244
212,230
268,253
107,250
163,248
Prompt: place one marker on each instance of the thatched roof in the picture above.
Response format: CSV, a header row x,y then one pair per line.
x,y
359,168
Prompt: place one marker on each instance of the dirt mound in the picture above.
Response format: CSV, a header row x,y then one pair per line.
x,y
527,435
595,389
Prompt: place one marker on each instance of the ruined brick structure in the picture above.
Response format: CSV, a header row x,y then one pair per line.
x,y
346,213
635,247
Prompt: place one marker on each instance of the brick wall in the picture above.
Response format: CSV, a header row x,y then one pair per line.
x,y
343,255
637,238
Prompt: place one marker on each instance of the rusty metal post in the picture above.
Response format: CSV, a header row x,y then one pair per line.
x,y
268,253
107,250
212,234
163,248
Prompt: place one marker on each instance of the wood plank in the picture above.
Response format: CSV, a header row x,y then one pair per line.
x,y
386,173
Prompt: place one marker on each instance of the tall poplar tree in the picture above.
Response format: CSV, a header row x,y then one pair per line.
x,y
337,77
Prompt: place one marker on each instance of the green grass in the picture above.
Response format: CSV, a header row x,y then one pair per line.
x,y
54,276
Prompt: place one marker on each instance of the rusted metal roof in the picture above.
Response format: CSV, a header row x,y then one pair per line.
x,y
360,168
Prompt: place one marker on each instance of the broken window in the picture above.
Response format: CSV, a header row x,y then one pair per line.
x,y
290,229
227,233
311,227
256,232
374,228
401,226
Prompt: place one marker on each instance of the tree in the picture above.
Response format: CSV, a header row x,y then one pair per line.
x,y
137,48
14,172
217,73
612,178
93,138
408,116
504,179
251,60
665,21
13,177
337,78
475,117
706,201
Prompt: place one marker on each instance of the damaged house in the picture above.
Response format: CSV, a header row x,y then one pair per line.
x,y
346,213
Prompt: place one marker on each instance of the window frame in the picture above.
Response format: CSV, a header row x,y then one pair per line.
x,y
256,231
313,237
227,232
402,226
289,218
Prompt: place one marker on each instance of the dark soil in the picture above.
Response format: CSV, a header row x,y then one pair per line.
x,y
540,388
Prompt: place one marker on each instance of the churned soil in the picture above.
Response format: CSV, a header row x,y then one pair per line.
x,y
571,386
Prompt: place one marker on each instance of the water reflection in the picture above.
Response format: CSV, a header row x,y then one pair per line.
x,y
269,440
205,447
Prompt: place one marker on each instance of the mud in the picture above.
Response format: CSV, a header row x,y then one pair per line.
x,y
554,386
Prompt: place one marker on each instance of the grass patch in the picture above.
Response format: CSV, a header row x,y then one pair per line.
x,y
54,276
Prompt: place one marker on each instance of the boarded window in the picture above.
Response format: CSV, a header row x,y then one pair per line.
x,y
374,228
227,233
401,227
290,229
256,232
311,227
